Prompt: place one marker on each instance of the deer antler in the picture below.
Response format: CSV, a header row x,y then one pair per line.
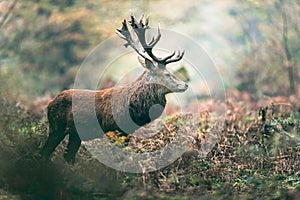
x,y
140,31
125,34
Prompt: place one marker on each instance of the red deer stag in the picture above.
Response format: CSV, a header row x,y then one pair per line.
x,y
137,98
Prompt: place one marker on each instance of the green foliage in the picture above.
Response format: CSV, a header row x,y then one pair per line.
x,y
45,37
43,43
182,73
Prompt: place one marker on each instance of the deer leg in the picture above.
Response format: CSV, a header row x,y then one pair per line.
x,y
53,140
72,148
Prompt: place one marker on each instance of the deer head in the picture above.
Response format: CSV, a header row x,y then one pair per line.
x,y
156,71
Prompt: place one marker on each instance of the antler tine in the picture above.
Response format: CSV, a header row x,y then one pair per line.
x,y
132,22
168,57
141,20
147,21
154,41
175,59
125,35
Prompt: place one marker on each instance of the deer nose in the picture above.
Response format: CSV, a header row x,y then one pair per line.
x,y
183,87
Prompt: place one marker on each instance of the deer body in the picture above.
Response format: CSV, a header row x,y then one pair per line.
x,y
114,107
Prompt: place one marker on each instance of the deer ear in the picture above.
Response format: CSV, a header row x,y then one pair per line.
x,y
146,63
149,64
142,61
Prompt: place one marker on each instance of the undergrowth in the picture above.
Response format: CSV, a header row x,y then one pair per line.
x,y
25,174
256,157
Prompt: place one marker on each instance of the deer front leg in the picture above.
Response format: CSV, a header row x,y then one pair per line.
x,y
53,140
72,148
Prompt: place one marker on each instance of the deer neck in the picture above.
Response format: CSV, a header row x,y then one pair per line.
x,y
153,93
147,101
149,92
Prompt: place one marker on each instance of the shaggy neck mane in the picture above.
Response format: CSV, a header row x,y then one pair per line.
x,y
146,97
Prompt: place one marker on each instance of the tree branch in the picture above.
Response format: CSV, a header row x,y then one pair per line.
x,y
9,10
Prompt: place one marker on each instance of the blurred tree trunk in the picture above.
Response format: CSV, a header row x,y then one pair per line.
x,y
3,20
289,65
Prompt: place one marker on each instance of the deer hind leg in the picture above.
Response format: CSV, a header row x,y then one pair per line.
x,y
55,137
73,146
